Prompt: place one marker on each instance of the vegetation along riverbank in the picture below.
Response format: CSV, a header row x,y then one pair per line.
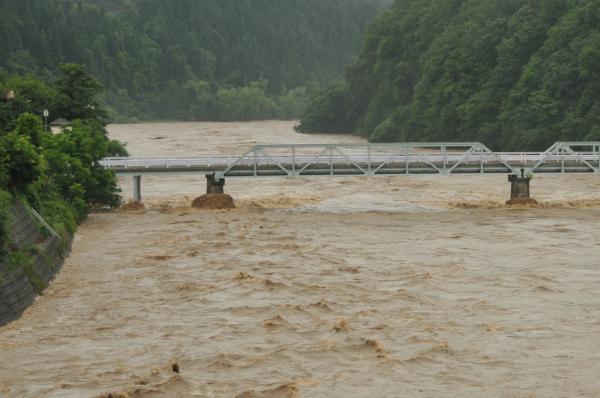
x,y
56,175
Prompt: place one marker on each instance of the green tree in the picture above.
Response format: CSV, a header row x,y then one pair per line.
x,y
29,125
31,96
19,162
77,94
329,111
58,174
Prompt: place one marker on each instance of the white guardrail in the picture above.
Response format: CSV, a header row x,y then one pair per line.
x,y
516,158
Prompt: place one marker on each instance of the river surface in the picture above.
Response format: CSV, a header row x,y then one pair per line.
x,y
318,287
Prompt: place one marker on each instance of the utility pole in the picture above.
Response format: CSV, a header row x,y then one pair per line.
x,y
46,114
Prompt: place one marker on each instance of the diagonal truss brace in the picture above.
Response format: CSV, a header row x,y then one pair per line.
x,y
563,151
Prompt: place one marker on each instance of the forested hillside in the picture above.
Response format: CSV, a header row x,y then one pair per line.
x,y
514,74
188,59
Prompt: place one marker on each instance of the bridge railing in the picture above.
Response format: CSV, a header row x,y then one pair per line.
x,y
149,163
375,159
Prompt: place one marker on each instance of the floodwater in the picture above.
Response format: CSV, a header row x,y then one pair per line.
x,y
318,287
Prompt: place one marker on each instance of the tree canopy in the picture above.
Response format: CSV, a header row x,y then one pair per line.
x,y
58,174
182,59
514,74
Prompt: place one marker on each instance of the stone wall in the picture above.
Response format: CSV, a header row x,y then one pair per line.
x,y
19,285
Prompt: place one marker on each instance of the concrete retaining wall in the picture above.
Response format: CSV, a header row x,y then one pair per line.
x,y
19,286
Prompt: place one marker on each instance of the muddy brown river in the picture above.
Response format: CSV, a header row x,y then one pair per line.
x,y
417,286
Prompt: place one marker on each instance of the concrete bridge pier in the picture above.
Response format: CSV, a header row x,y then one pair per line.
x,y
519,189
215,184
137,188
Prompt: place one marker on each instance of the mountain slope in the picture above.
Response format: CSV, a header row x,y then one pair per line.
x,y
152,52
514,74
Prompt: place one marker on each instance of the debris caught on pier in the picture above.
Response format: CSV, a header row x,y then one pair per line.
x,y
214,201
526,202
133,206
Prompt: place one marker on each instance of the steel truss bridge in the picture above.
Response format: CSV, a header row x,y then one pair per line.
x,y
444,158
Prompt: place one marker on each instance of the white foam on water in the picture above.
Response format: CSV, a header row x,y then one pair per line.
x,y
366,202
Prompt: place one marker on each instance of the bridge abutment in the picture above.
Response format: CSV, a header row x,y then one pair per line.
x,y
215,184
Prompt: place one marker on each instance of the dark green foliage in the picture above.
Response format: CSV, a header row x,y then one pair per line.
x,y
30,126
76,94
32,96
515,74
19,161
186,59
73,172
330,110
58,174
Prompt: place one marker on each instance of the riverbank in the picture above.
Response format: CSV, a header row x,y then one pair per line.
x,y
35,259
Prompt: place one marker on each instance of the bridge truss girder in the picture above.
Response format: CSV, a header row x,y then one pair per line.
x,y
368,159
568,157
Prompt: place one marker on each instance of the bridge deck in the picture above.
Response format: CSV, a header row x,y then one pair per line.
x,y
372,159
